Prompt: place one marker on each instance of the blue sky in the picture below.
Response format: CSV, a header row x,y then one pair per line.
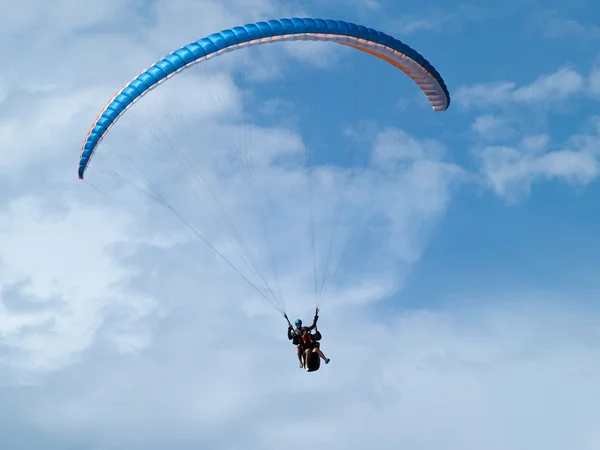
x,y
466,314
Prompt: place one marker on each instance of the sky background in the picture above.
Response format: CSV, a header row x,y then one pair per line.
x,y
465,313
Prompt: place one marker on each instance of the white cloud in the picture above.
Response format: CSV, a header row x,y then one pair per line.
x,y
414,25
492,127
30,14
44,132
558,85
546,89
58,265
557,27
459,373
434,20
397,145
482,95
535,144
511,171
364,6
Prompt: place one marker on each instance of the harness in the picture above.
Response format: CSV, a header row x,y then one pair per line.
x,y
299,338
308,337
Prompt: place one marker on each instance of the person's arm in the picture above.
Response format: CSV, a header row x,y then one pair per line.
x,y
315,319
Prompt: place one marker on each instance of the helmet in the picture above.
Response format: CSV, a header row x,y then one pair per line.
x,y
298,321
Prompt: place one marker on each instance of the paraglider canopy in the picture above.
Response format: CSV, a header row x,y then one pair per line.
x,y
359,37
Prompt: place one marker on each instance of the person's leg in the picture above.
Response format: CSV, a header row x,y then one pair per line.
x,y
307,358
318,350
300,356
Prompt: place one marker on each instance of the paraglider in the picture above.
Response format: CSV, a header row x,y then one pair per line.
x,y
306,341
368,40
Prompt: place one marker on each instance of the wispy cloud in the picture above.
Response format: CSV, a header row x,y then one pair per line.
x,y
511,171
557,86
482,95
411,25
436,20
397,145
554,26
360,5
492,127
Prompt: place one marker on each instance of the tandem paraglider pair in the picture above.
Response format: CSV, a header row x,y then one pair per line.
x,y
306,340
